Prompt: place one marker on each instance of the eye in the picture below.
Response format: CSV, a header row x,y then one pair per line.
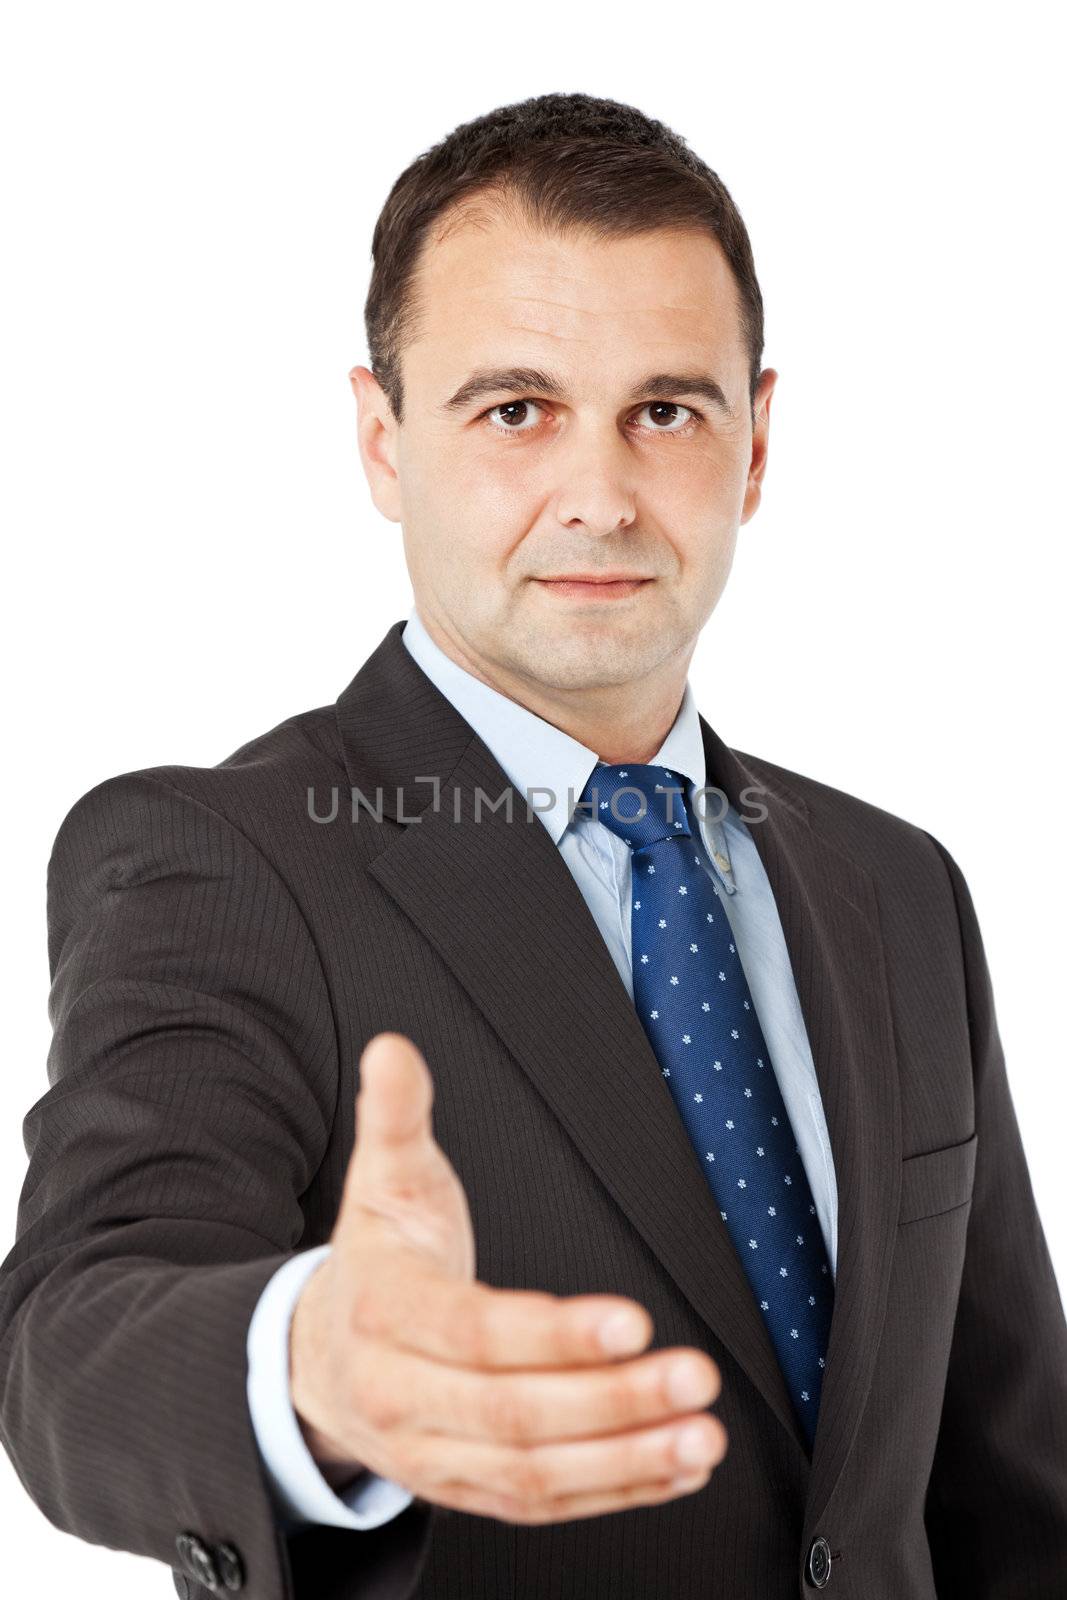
x,y
670,406
514,423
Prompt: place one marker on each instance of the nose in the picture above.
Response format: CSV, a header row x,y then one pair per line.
x,y
596,491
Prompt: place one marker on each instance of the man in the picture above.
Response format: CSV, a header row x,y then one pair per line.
x,y
462,1089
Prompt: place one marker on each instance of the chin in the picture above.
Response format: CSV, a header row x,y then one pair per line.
x,y
573,662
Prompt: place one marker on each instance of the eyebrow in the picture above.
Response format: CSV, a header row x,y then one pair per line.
x,y
520,380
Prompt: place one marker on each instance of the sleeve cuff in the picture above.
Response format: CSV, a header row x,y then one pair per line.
x,y
300,1491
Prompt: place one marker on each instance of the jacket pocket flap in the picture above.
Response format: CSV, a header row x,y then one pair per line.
x,y
937,1180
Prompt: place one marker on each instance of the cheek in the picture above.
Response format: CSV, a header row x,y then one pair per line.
x,y
711,520
470,538
507,479
694,474
492,505
696,504
480,479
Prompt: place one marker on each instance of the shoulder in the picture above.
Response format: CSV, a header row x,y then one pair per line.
x,y
885,843
262,783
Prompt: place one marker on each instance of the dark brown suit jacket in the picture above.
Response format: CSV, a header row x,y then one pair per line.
x,y
219,960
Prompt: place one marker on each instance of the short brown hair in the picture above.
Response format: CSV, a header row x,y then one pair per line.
x,y
567,161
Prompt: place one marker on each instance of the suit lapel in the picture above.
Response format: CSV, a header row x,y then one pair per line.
x,y
496,900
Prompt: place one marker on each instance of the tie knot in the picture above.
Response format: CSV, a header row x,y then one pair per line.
x,y
639,803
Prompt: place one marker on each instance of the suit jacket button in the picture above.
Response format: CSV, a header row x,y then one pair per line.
x,y
230,1565
819,1563
198,1561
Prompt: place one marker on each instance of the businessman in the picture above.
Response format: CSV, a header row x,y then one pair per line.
x,y
502,1140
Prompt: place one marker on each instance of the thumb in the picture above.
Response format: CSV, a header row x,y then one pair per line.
x,y
395,1147
397,1171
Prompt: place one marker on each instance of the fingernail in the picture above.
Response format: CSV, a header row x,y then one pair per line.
x,y
622,1330
688,1384
691,1447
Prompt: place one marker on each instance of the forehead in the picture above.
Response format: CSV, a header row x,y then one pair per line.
x,y
496,288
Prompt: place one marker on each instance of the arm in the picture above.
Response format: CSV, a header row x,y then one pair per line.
x,y
193,1076
301,1492
996,1510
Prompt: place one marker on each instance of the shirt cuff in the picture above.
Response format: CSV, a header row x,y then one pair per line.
x,y
300,1491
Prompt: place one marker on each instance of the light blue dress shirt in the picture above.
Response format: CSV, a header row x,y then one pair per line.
x,y
536,756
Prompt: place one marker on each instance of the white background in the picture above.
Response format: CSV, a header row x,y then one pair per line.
x,y
192,554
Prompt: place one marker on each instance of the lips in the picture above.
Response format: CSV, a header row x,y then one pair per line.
x,y
596,577
597,588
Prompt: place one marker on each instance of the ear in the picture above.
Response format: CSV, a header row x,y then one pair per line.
x,y
761,410
376,430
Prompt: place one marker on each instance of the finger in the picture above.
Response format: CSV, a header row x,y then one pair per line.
x,y
474,1325
412,1394
480,1502
552,1472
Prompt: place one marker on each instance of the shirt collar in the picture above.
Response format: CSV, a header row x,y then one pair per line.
x,y
542,761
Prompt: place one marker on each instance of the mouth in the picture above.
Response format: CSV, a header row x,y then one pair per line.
x,y
590,586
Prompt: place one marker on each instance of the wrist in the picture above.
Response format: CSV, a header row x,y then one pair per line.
x,y
305,1355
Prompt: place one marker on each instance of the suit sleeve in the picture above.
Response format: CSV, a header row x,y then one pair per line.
x,y
996,1509
192,1086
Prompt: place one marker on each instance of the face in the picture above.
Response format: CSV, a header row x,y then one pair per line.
x,y
574,409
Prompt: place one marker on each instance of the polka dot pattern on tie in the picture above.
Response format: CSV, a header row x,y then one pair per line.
x,y
694,1002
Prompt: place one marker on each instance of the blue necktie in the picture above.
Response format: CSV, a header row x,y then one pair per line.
x,y
693,1000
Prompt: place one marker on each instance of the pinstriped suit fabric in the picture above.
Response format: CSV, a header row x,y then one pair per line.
x,y
218,962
